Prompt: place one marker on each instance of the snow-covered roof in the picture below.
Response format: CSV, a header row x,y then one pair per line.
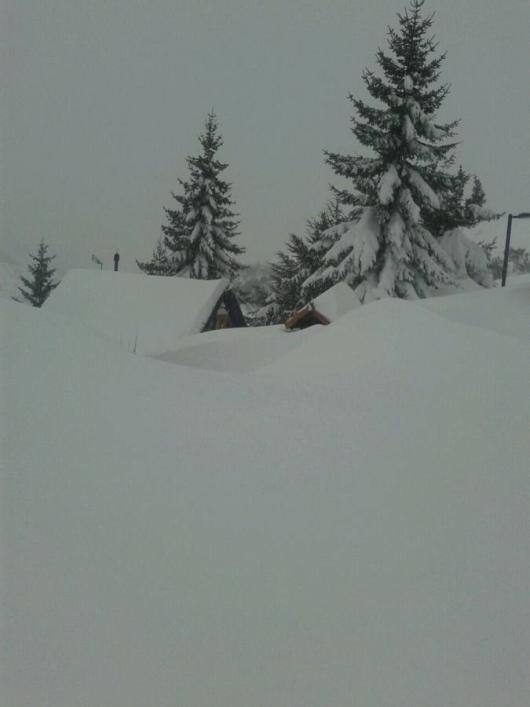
x,y
147,314
338,300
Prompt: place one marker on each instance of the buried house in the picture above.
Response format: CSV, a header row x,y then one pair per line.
x,y
325,308
145,314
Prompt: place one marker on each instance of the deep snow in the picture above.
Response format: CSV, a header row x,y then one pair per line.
x,y
144,314
346,525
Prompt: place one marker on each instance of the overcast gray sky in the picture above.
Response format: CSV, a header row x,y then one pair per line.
x,y
103,99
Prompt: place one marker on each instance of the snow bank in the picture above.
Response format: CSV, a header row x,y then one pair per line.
x,y
173,536
502,309
336,301
505,310
249,349
469,258
146,314
237,350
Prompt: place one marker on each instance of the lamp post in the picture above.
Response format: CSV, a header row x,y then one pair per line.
x,y
507,244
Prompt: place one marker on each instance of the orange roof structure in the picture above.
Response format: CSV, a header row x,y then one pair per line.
x,y
305,317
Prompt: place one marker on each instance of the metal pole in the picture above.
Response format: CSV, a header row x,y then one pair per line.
x,y
506,250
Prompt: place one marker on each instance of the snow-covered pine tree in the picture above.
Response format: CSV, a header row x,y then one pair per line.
x,y
320,237
459,212
170,253
209,250
41,284
285,281
459,208
388,250
176,232
199,234
303,258
476,205
160,263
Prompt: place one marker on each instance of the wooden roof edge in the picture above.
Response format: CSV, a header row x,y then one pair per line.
x,y
299,314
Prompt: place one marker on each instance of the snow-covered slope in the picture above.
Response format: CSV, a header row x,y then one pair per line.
x,y
347,526
337,301
237,350
249,349
145,314
502,309
505,310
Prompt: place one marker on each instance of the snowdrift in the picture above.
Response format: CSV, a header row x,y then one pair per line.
x,y
145,314
502,309
238,350
249,349
337,301
354,530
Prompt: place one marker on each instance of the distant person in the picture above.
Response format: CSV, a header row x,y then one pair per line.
x,y
116,261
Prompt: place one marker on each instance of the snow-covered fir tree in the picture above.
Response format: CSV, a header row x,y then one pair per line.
x,y
518,259
199,237
388,250
285,284
461,210
212,225
303,257
321,235
160,263
168,256
37,289
460,207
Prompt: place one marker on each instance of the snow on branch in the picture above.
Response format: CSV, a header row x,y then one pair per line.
x,y
388,184
421,185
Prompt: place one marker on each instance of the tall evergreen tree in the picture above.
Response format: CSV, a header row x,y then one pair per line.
x,y
388,250
199,237
38,288
212,225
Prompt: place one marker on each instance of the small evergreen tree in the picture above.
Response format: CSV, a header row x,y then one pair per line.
x,y
321,235
200,232
210,250
457,208
284,284
459,211
303,258
518,261
38,288
160,263
386,249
